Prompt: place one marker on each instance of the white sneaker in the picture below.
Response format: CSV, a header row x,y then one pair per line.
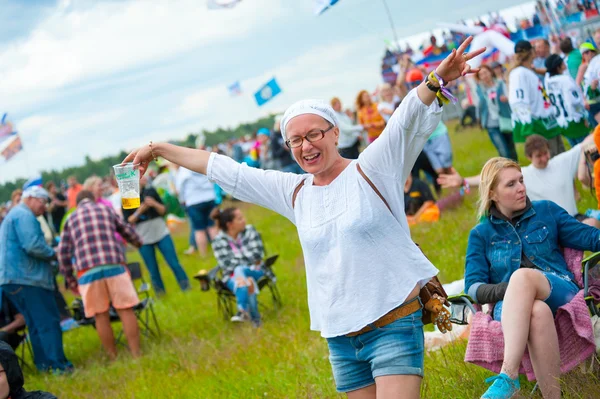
x,y
240,317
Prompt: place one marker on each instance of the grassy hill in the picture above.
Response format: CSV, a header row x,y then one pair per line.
x,y
202,356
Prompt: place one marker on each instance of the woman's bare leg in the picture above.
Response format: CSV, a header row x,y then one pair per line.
x,y
398,386
363,393
543,350
524,287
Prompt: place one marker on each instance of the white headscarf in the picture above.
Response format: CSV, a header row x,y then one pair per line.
x,y
315,107
35,192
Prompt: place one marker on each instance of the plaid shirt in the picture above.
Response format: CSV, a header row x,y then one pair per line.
x,y
89,239
246,250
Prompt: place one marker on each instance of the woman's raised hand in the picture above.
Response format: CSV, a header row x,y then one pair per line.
x,y
455,65
141,158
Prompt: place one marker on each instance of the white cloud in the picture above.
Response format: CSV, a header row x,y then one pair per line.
x,y
310,75
94,78
74,43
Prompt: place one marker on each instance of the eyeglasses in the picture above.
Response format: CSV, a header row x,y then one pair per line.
x,y
311,137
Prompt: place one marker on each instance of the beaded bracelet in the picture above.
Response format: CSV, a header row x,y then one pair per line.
x,y
466,188
152,152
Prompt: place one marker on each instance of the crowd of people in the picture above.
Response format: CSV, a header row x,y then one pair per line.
x,y
347,178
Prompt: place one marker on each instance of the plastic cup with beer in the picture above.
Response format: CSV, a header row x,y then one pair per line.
x,y
128,179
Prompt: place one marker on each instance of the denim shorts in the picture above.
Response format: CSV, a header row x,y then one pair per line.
x,y
439,152
395,349
200,215
562,290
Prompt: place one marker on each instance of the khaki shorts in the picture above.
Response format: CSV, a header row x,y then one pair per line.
x,y
99,294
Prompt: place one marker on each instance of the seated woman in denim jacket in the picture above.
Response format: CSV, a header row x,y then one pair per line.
x,y
239,250
514,259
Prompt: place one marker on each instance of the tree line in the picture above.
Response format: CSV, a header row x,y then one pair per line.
x,y
103,166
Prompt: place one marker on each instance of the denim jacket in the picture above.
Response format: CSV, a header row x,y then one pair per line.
x,y
483,105
24,255
495,245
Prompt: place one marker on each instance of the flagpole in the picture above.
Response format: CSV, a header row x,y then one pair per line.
x,y
387,9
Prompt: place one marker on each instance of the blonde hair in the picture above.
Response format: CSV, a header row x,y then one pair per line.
x,y
519,59
90,181
382,87
489,181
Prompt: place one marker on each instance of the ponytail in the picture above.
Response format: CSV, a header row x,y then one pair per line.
x,y
222,217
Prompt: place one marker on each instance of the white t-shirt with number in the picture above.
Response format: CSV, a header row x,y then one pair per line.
x,y
527,98
566,98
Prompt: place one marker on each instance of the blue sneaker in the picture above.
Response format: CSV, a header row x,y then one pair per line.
x,y
503,387
68,324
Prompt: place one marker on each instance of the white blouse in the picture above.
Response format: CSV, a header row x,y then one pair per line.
x,y
360,260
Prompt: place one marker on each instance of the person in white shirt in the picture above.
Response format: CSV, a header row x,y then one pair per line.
x,y
529,103
387,101
350,133
363,271
198,196
567,100
550,179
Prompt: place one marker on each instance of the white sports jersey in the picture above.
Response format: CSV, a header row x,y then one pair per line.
x,y
591,73
527,97
566,98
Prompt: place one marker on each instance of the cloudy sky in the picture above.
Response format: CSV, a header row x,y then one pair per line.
x,y
92,78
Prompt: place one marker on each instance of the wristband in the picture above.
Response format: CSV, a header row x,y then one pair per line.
x,y
444,95
431,86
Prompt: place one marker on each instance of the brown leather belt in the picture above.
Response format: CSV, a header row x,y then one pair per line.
x,y
401,311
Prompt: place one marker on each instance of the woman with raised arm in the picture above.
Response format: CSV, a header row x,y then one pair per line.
x,y
365,298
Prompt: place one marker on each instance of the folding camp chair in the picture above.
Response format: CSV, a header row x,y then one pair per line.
x,y
144,311
226,299
23,348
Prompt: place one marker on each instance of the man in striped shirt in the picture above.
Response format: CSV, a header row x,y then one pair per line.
x,y
88,243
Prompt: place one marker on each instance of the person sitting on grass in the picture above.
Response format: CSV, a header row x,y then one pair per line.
x,y
11,377
88,242
419,203
514,259
547,178
239,250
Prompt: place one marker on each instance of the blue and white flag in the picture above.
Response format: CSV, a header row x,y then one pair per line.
x,y
235,89
323,5
267,92
216,4
34,181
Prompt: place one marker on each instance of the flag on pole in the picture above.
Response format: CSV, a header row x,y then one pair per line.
x,y
267,92
217,4
12,148
235,89
323,5
6,129
34,181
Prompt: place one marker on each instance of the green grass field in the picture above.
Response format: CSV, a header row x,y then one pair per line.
x,y
202,356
